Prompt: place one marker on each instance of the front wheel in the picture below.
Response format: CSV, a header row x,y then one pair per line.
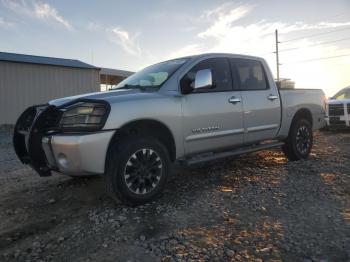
x,y
137,170
299,142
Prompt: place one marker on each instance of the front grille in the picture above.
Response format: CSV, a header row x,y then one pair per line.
x,y
336,110
26,120
34,123
336,121
50,119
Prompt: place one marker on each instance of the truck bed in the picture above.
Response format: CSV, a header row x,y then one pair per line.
x,y
294,99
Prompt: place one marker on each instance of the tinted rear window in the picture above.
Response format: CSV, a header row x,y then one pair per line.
x,y
251,75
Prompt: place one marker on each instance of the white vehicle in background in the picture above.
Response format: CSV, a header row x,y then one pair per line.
x,y
338,109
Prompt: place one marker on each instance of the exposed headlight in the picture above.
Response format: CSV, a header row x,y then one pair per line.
x,y
84,116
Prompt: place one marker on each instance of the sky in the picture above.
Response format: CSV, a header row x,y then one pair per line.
x,y
132,34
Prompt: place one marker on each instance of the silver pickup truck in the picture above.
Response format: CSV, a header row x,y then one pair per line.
x,y
187,110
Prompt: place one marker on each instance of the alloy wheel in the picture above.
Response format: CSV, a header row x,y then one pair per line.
x,y
303,139
143,171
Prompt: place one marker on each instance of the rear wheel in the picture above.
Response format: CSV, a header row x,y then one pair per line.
x,y
137,170
299,142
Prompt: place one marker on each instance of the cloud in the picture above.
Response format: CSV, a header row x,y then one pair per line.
x,y
5,24
20,6
225,31
125,40
228,35
224,19
93,26
38,10
321,25
45,11
187,50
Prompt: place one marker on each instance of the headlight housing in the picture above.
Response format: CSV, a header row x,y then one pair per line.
x,y
84,116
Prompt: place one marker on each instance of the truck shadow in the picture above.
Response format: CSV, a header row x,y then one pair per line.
x,y
290,215
299,211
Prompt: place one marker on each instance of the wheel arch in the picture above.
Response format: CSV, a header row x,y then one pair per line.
x,y
147,127
289,148
303,113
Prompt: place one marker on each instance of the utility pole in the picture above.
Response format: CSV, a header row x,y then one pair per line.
x,y
277,57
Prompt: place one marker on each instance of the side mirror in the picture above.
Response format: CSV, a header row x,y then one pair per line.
x,y
203,79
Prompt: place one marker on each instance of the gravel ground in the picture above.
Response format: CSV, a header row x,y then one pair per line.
x,y
257,207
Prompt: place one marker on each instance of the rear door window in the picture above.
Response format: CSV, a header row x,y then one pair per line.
x,y
250,74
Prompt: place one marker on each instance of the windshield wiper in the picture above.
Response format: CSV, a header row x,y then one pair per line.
x,y
128,86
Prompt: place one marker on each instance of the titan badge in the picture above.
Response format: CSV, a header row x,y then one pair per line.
x,y
205,129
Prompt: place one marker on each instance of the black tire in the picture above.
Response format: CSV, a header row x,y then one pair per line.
x,y
299,142
133,166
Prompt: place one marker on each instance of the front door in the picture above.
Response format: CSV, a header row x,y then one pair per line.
x,y
212,118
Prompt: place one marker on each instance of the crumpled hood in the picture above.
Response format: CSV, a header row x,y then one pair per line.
x,y
338,101
106,96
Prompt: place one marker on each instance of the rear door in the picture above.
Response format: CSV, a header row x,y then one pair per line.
x,y
212,118
261,102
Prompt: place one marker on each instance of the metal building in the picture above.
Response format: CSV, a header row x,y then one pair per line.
x,y
110,77
26,80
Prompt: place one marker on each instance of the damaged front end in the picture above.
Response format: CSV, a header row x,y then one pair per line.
x,y
68,138
33,124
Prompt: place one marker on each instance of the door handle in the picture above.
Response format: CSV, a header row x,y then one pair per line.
x,y
272,97
234,100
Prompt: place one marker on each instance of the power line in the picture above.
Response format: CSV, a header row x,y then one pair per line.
x,y
315,59
312,35
333,16
322,43
300,47
268,53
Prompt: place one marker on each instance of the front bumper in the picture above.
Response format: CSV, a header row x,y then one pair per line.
x,y
338,115
46,150
77,154
337,121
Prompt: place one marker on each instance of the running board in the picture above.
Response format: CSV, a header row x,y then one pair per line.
x,y
238,151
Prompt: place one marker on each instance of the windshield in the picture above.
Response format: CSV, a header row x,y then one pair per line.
x,y
342,94
153,76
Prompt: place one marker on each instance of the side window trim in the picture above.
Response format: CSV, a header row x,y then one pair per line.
x,y
236,86
239,86
265,76
214,90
